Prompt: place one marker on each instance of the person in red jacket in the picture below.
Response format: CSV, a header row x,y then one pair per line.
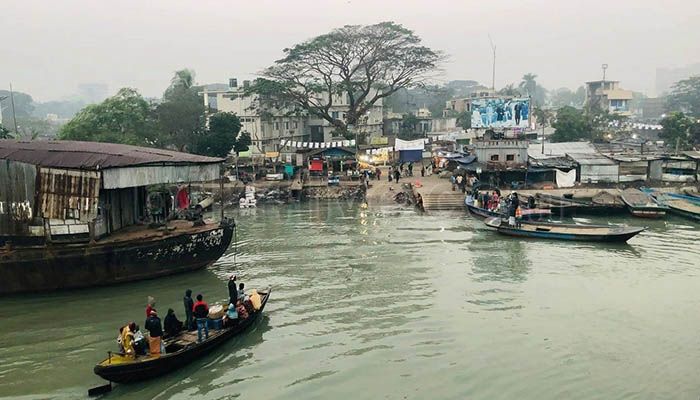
x,y
200,310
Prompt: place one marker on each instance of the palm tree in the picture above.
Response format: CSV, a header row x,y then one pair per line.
x,y
184,78
529,84
509,90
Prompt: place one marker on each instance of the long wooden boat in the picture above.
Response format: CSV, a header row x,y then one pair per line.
x,y
692,194
179,351
602,205
679,205
584,233
642,205
131,254
528,214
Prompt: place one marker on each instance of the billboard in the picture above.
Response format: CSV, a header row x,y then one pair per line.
x,y
500,112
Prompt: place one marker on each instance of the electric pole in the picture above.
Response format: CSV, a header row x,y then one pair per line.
x,y
14,116
493,76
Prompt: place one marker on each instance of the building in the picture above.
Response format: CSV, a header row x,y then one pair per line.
x,y
456,106
267,125
651,109
393,122
607,95
502,153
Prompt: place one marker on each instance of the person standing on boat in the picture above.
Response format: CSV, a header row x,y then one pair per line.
x,y
155,333
189,305
232,290
512,209
200,310
150,306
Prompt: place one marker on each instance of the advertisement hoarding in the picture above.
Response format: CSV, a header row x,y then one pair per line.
x,y
500,112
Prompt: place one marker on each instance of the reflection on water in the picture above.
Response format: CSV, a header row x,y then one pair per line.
x,y
387,303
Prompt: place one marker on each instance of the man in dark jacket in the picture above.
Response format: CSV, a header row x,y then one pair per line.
x,y
232,290
200,310
171,324
155,333
189,304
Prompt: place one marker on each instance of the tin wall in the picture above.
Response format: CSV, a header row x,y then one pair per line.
x,y
68,194
17,182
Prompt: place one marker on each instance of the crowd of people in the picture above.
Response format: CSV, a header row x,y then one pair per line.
x,y
132,342
494,202
403,169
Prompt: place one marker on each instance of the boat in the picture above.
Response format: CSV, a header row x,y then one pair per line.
x,y
679,205
527,213
692,193
584,233
601,204
642,205
82,214
179,351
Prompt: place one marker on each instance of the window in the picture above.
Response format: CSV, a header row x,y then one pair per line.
x,y
277,126
286,125
334,114
295,125
510,157
494,157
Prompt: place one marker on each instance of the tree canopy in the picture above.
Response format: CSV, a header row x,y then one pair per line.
x,y
571,125
221,136
180,115
681,130
530,87
685,96
362,63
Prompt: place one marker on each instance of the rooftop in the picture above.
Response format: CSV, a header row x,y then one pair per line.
x,y
552,150
93,155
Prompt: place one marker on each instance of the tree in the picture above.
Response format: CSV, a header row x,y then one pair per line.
x,y
529,87
123,118
679,129
509,90
571,125
360,64
23,104
181,113
566,97
685,96
464,120
220,138
5,133
409,127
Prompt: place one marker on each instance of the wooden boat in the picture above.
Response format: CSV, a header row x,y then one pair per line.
x,y
692,194
179,351
679,205
528,213
642,205
585,233
603,205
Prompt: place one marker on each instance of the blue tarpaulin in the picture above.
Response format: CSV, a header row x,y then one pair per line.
x,y
410,155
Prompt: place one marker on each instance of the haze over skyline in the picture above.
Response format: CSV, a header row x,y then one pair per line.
x,y
52,47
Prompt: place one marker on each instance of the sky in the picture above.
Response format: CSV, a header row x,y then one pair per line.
x,y
50,47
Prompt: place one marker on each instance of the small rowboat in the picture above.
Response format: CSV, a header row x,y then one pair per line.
x,y
642,205
584,233
179,351
528,213
684,206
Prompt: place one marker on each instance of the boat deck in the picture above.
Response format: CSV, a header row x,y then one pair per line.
x,y
144,232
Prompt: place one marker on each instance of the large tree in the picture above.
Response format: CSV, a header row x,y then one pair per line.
x,y
530,87
123,118
23,105
363,63
181,113
566,97
685,96
571,125
220,138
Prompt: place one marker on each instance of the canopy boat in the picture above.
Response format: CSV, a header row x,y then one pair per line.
x,y
584,233
642,205
528,213
679,205
179,351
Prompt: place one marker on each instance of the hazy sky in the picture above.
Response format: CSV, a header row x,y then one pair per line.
x,y
49,47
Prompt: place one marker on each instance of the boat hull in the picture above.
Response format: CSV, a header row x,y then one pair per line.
x,y
619,235
153,368
71,266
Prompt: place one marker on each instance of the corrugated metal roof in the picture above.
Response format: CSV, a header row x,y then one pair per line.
x,y
591,159
552,150
92,155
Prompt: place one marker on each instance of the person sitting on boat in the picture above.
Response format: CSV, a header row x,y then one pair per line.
x,y
231,316
189,304
232,290
171,324
127,340
241,292
155,334
140,345
200,310
242,312
150,306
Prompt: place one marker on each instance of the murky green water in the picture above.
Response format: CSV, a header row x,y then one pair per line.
x,y
384,303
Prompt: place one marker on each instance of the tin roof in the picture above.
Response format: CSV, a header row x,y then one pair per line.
x,y
92,155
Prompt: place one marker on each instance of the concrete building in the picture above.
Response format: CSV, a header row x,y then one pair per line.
x,y
608,95
502,153
268,125
393,121
456,106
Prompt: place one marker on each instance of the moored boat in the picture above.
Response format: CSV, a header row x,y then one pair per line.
x,y
584,233
641,204
603,204
679,205
80,214
527,213
179,351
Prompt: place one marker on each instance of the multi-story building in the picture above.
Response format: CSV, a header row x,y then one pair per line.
x,y
607,95
456,106
268,125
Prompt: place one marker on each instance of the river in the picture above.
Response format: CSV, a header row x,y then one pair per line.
x,y
384,303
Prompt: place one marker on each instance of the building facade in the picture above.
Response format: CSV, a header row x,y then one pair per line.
x,y
607,95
